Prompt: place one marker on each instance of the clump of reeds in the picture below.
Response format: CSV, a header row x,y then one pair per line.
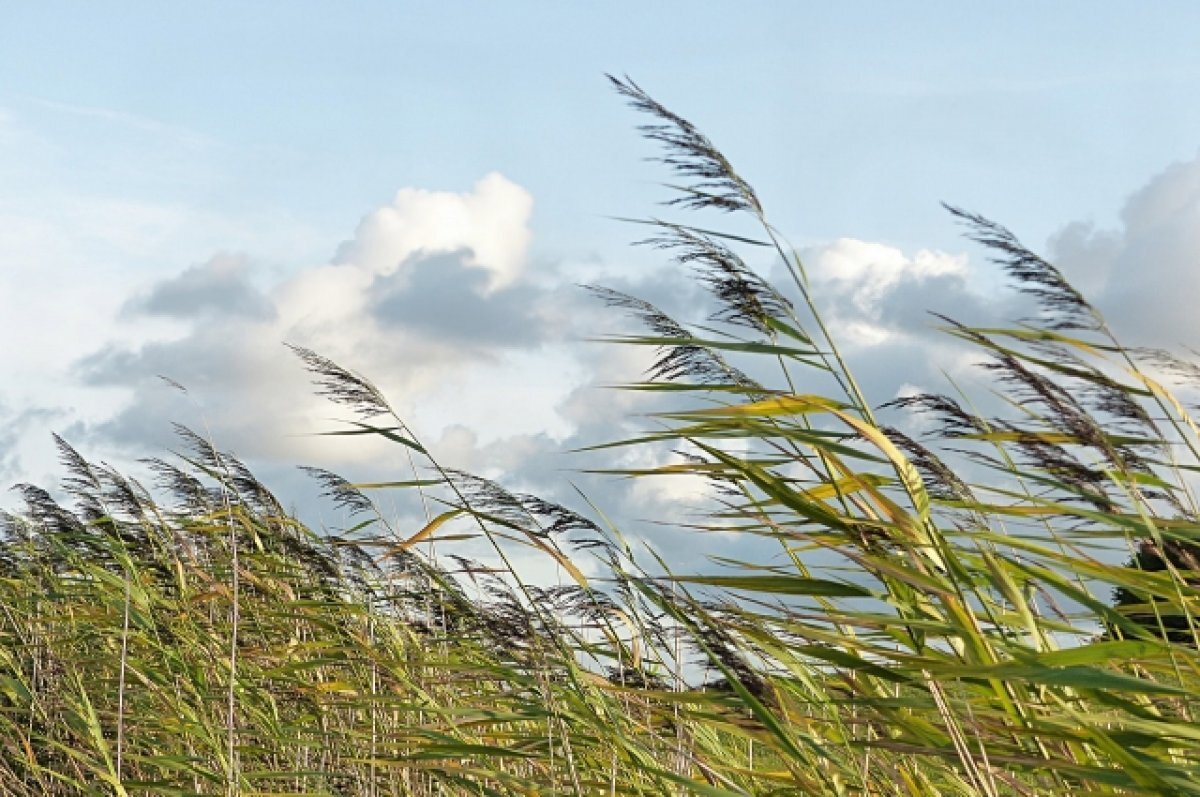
x,y
939,619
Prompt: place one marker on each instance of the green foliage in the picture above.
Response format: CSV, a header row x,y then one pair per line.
x,y
1180,558
935,618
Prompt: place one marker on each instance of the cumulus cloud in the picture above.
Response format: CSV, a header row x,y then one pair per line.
x,y
1144,274
429,285
446,297
218,287
872,269
490,222
860,283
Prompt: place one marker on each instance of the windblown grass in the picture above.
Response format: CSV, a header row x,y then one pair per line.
x,y
938,620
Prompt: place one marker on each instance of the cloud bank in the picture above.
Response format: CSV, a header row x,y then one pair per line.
x,y
483,350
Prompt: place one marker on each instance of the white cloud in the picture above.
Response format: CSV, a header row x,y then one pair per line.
x,y
255,396
856,282
1144,275
869,271
688,492
491,221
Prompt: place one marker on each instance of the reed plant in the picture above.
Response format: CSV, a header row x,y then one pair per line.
x,y
936,616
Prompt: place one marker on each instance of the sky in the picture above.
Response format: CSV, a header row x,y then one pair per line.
x,y
417,190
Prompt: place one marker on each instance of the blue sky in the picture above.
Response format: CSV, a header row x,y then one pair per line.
x,y
154,156
854,119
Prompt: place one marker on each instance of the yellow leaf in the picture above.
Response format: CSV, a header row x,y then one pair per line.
x,y
425,533
777,405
